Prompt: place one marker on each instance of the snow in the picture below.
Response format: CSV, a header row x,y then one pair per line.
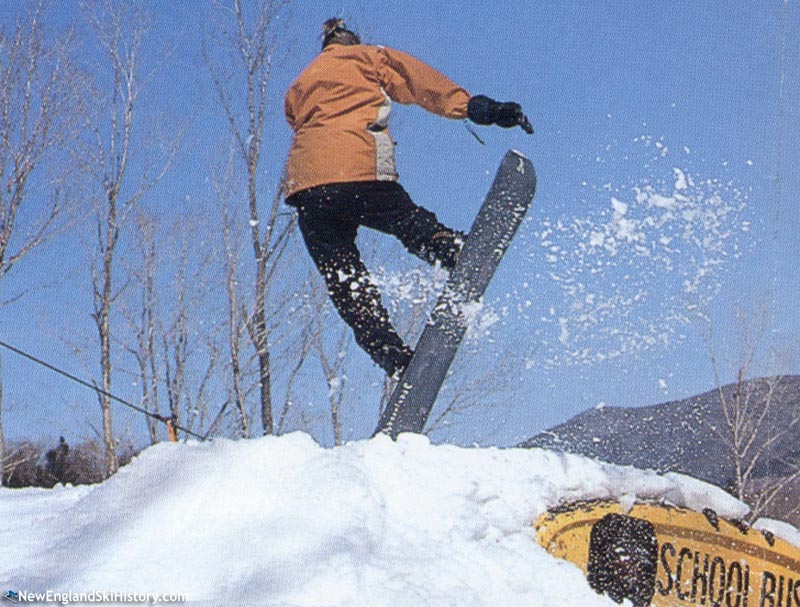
x,y
631,262
422,286
779,529
283,521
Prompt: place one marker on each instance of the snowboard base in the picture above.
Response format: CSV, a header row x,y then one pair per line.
x,y
491,234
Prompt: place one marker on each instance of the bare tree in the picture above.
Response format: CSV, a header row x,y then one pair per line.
x,y
39,99
224,183
304,344
2,436
120,29
20,465
755,424
249,46
142,319
480,389
166,330
38,117
330,351
336,379
190,286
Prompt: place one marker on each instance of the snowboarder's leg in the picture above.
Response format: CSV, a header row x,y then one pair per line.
x,y
389,208
358,301
331,242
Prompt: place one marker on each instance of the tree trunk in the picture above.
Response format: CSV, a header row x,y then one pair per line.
x,y
264,371
259,332
253,45
234,327
2,439
104,328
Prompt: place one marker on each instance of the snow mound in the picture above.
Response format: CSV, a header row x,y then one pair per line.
x,y
283,521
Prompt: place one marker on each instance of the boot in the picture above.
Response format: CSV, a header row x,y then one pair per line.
x,y
393,359
445,247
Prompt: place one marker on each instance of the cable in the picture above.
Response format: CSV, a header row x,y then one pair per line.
x,y
94,388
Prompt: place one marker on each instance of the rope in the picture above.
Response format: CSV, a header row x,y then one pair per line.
x,y
85,384
473,133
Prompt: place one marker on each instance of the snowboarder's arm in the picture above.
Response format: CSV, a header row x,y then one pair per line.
x,y
406,79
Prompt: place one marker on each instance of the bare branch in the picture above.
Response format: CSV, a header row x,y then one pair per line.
x,y
120,29
754,425
248,46
39,99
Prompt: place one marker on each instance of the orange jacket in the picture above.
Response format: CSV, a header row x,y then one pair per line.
x,y
339,106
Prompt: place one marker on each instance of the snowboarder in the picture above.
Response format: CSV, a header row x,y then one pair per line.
x,y
340,173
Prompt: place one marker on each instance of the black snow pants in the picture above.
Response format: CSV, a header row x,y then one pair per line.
x,y
329,217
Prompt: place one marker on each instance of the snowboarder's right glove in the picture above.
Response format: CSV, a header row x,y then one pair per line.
x,y
482,110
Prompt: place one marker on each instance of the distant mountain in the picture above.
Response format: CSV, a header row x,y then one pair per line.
x,y
692,435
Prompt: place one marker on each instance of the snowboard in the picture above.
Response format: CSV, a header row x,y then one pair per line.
x,y
494,227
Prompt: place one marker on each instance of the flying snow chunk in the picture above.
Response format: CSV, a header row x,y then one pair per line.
x,y
596,239
479,319
681,180
563,335
620,208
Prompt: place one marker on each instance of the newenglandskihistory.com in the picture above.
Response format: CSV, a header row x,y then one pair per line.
x,y
79,598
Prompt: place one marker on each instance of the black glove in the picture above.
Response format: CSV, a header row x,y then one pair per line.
x,y
482,110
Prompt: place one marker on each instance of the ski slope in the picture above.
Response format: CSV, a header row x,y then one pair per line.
x,y
283,521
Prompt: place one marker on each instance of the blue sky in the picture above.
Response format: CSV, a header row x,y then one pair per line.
x,y
621,93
